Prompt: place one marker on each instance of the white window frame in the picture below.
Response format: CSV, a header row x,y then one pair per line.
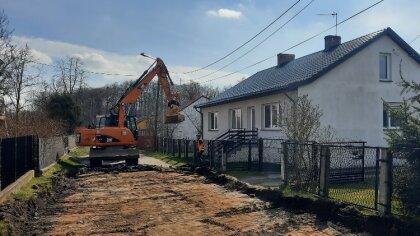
x,y
389,119
388,66
251,119
271,126
235,115
213,119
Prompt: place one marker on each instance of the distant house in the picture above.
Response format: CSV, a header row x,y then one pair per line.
x,y
191,126
349,81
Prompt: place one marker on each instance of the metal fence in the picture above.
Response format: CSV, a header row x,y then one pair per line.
x,y
345,171
183,149
354,174
17,156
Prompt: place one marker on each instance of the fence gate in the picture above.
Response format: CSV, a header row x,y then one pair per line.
x,y
347,162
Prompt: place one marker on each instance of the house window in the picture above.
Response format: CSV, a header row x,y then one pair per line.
x,y
236,119
213,117
251,117
390,122
384,66
271,115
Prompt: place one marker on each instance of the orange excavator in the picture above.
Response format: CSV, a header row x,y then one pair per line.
x,y
115,137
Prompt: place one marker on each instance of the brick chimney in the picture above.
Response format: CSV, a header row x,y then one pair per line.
x,y
283,59
332,41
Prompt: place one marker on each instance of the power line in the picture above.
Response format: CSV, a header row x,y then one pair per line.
x,y
414,39
265,39
249,40
304,41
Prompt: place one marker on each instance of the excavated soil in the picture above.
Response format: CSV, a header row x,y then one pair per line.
x,y
161,203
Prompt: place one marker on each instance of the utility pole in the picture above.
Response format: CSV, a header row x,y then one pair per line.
x,y
156,116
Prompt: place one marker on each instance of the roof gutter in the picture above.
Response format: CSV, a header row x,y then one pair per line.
x,y
248,96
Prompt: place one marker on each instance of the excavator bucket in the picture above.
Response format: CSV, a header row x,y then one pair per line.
x,y
174,118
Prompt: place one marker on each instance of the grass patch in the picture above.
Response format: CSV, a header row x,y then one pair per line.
x,y
6,227
174,161
45,181
79,151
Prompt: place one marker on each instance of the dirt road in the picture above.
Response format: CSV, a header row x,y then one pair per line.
x,y
167,203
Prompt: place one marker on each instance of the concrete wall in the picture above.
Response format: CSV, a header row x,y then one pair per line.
x,y
190,127
223,113
351,94
50,149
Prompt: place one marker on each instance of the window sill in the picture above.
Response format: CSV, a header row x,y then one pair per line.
x,y
385,80
213,130
271,129
391,128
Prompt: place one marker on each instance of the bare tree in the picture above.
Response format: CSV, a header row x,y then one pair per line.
x,y
6,51
301,122
70,76
21,78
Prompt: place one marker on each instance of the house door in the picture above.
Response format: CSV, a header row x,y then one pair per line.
x,y
251,117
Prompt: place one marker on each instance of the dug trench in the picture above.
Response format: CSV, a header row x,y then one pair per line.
x,y
148,200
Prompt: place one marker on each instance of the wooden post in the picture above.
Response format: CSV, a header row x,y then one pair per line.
x,y
324,171
385,182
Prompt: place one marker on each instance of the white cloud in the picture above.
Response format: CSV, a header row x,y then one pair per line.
x,y
41,57
225,13
111,63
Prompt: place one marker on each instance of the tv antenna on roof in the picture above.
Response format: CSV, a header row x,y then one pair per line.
x,y
334,14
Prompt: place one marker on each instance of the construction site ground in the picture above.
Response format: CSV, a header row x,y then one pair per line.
x,y
163,202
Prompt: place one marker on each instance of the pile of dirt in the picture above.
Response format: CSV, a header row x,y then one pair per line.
x,y
340,213
22,212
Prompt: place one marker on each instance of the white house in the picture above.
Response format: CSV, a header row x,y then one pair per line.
x,y
191,126
349,81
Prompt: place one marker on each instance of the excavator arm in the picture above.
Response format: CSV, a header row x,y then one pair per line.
x,y
158,68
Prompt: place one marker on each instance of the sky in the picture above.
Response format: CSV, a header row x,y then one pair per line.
x,y
110,35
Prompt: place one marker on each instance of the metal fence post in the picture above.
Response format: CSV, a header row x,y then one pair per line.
x,y
173,147
179,148
224,156
195,152
249,155
1,146
186,149
385,182
210,153
324,171
377,157
363,162
283,164
260,153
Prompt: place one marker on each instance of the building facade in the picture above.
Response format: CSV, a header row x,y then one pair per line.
x,y
350,82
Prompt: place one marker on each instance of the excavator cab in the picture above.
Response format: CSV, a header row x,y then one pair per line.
x,y
173,116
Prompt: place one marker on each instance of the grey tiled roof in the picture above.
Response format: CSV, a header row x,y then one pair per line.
x,y
302,70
